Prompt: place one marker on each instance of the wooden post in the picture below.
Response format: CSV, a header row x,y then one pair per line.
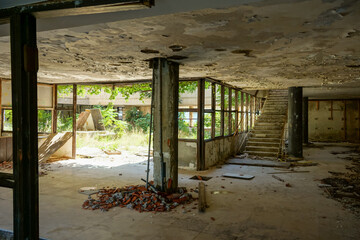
x,y
24,67
202,197
213,107
242,111
74,121
236,111
229,113
251,111
222,132
54,109
247,112
200,126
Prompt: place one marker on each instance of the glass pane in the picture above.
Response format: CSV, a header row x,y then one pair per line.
x,y
64,121
7,120
207,125
218,97
44,121
188,94
226,99
187,122
226,124
233,99
208,90
217,123
233,122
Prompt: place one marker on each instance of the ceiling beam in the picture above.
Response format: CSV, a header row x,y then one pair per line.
x,y
51,9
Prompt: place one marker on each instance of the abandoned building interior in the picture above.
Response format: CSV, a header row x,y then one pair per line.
x,y
192,119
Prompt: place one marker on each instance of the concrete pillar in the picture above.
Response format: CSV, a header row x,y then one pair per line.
x,y
295,122
166,100
305,120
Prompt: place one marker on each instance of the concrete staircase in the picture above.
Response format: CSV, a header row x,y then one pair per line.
x,y
265,137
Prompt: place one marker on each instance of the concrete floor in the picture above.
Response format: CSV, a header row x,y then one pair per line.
x,y
262,208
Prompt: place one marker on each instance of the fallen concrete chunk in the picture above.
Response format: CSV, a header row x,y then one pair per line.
x,y
239,176
258,163
53,143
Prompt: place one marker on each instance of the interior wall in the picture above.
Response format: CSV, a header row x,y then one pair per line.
x,y
218,150
187,155
334,120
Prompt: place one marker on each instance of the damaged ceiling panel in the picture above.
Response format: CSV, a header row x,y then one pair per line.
x,y
258,45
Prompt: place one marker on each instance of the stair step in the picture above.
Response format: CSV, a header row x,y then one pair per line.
x,y
266,131
262,149
268,124
266,135
262,154
267,144
267,127
269,140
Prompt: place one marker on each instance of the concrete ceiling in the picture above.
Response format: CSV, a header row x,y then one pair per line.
x,y
249,44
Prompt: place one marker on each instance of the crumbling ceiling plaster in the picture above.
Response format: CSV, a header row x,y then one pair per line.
x,y
261,45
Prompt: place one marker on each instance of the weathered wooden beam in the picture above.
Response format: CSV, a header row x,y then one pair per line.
x,y
222,130
213,107
202,197
24,67
74,121
229,130
236,111
200,126
54,110
242,111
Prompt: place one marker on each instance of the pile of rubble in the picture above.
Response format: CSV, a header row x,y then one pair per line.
x,y
138,198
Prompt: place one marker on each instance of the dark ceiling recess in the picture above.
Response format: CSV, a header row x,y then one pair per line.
x,y
177,48
148,51
246,52
353,66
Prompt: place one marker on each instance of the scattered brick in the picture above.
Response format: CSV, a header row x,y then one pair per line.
x,y
137,198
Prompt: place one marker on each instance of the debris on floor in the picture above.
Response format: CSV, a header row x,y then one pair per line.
x,y
277,178
88,190
201,178
304,164
238,176
345,186
138,198
220,192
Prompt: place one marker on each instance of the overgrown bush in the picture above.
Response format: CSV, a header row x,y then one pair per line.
x,y
110,122
137,120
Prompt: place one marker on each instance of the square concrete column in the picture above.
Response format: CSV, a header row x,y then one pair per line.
x,y
166,101
295,149
305,120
